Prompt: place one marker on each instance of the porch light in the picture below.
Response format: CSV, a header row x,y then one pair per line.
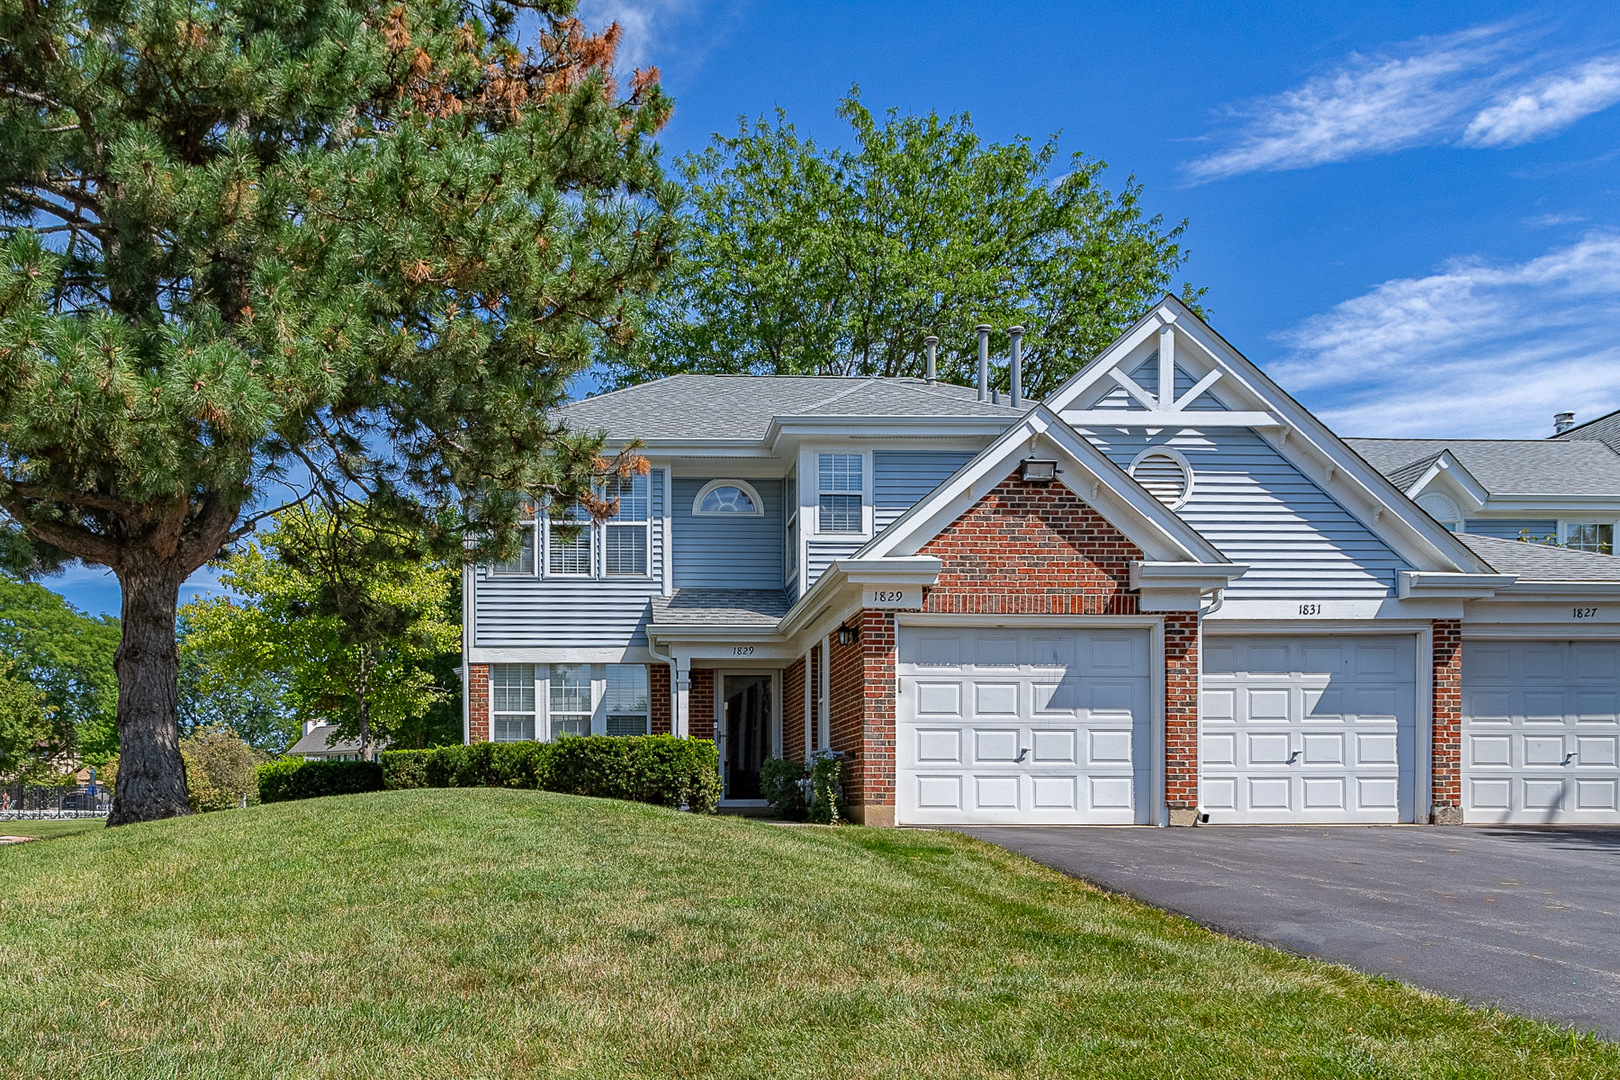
x,y
848,635
1037,471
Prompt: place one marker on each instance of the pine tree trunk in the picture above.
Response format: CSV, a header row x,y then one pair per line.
x,y
151,773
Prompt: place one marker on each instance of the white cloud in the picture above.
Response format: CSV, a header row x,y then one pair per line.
x,y
1476,349
1555,103
1480,87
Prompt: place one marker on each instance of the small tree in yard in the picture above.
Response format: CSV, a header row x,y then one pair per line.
x,y
346,616
262,254
221,769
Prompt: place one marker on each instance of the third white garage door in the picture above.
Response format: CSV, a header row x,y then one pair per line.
x,y
1308,729
1541,731
1022,726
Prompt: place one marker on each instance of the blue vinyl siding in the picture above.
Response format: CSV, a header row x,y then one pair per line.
x,y
531,612
734,552
1146,375
1511,528
903,477
824,552
1257,508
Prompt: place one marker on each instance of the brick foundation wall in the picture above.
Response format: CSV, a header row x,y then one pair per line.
x,y
1181,709
477,703
1447,745
793,711
1032,549
658,698
700,704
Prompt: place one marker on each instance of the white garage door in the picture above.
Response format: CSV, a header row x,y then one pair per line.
x,y
1045,727
1303,729
1541,731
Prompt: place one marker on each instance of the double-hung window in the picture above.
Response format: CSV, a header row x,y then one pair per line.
x,y
521,564
511,702
569,545
570,702
627,536
625,700
1590,536
841,490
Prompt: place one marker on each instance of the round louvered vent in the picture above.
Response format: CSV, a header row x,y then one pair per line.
x,y
1166,476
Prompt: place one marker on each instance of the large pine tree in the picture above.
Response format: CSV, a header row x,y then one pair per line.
x,y
258,252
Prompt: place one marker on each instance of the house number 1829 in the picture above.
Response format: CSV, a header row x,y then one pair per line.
x,y
742,650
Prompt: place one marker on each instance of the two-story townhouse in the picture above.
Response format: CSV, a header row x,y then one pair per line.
x,y
1165,594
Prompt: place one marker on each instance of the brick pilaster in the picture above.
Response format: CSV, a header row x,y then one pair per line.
x,y
658,698
793,711
700,704
1446,745
1181,710
478,703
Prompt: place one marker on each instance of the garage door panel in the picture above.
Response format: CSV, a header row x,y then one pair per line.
x,y
1050,727
1541,732
1320,729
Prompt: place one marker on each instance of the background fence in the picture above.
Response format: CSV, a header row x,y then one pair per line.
x,y
25,801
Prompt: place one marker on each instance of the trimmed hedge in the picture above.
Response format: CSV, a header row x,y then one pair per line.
x,y
659,769
295,778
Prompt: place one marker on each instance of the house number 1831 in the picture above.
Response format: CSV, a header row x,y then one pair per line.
x,y
1310,609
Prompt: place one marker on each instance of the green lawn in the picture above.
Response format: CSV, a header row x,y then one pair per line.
x,y
511,934
46,830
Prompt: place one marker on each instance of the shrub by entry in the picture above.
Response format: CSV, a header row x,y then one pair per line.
x,y
294,778
658,769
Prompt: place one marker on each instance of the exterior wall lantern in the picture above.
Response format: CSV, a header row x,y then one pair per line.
x,y
848,635
1037,471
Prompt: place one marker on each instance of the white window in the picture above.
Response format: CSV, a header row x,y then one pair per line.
x,y
570,703
841,489
1595,536
511,702
522,562
627,536
720,498
625,700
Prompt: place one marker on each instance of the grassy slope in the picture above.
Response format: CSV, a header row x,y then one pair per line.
x,y
506,934
49,829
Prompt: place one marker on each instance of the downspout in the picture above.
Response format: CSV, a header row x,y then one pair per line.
x,y
1199,817
668,659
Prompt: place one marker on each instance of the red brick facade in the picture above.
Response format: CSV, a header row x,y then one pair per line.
x,y
1181,709
478,703
658,698
700,704
793,711
846,711
1447,739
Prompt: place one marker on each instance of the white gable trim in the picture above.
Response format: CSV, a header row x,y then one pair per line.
x,y
1290,429
1085,470
1462,482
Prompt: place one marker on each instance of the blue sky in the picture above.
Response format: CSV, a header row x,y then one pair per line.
x,y
1407,213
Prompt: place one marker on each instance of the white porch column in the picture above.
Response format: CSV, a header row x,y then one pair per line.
x,y
679,724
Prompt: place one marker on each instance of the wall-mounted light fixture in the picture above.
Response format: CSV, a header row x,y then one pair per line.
x,y
1037,471
848,635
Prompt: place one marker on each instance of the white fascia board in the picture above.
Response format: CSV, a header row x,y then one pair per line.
x,y
1206,577
1419,583
788,429
1138,418
1531,590
1093,478
678,448
1144,329
1455,480
1561,505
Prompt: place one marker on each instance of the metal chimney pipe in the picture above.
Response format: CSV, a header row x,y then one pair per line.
x,y
984,360
1017,373
1562,422
931,343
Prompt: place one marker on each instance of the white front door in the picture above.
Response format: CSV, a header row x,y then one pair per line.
x,y
1308,729
1541,731
1022,726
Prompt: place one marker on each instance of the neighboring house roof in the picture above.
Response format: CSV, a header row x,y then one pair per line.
x,y
315,739
743,406
1502,466
1605,429
729,607
1543,562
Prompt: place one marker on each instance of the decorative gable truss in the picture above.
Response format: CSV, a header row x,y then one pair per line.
x,y
1179,568
1196,379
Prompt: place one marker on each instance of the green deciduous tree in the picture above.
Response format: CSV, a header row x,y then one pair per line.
x,y
254,251
802,259
220,769
33,737
349,618
254,706
69,656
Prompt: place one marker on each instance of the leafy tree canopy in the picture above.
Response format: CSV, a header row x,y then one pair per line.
x,y
253,705
68,655
33,738
801,259
348,618
254,252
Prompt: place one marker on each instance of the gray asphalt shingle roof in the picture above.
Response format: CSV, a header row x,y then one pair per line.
x,y
717,607
1503,466
1542,562
743,406
314,742
1605,429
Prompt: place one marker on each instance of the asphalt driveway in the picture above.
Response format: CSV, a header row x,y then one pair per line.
x,y
1524,918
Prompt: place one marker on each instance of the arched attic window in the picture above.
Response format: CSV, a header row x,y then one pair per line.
x,y
1165,473
1442,508
724,498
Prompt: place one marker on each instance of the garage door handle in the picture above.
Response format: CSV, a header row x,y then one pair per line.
x,y
1569,757
1293,757
1022,754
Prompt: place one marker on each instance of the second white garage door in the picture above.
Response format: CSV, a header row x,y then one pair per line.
x,y
1020,726
1541,732
1308,729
